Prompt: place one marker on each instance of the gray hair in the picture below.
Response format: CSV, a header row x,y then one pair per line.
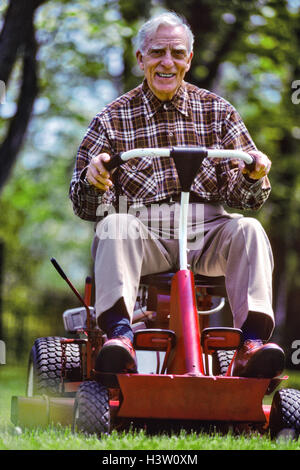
x,y
151,26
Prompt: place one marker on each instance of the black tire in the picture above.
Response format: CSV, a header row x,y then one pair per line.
x,y
91,409
221,360
45,366
285,413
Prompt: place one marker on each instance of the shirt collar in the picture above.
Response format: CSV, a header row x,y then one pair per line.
x,y
153,104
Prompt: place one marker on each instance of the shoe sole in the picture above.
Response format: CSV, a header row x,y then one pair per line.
x,y
115,359
267,363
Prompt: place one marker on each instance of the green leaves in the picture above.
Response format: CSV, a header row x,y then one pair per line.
x,y
246,51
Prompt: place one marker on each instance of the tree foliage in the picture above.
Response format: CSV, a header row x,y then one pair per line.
x,y
80,56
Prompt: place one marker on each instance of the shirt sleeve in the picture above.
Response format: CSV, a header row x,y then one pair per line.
x,y
235,189
85,197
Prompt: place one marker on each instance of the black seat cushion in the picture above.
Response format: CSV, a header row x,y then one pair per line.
x,y
214,285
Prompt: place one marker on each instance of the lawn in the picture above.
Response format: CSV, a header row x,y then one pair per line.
x,y
12,382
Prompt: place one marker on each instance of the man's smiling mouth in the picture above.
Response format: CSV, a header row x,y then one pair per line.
x,y
165,75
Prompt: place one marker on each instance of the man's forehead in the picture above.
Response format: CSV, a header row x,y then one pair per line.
x,y
169,36
170,44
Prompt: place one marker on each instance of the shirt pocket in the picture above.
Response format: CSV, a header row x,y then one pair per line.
x,y
137,178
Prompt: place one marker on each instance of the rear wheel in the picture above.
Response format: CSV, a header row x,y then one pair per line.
x,y
221,360
45,366
91,409
285,414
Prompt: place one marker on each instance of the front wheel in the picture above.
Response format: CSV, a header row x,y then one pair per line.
x,y
45,366
91,409
285,413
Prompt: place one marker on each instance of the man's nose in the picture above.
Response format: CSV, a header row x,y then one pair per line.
x,y
167,60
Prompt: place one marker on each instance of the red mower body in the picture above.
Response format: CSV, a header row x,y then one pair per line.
x,y
185,392
185,388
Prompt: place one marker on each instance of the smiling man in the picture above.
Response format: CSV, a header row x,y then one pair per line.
x,y
166,111
165,59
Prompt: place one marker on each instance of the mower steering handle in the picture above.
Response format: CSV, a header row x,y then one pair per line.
x,y
121,158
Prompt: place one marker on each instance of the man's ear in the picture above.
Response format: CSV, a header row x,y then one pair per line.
x,y
188,65
139,58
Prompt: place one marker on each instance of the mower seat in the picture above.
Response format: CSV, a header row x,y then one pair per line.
x,y
213,285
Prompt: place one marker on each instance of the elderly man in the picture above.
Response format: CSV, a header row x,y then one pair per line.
x,y
166,111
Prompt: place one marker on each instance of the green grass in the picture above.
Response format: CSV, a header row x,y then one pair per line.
x,y
63,439
12,382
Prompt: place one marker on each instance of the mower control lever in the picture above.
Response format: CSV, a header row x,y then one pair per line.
x,y
64,276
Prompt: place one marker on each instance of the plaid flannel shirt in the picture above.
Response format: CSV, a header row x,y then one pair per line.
x,y
138,119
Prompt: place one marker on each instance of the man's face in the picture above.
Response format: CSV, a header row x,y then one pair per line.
x,y
166,61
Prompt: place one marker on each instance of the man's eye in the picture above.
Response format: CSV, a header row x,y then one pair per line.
x,y
156,52
179,53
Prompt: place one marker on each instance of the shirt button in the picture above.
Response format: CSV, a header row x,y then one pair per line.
x,y
171,134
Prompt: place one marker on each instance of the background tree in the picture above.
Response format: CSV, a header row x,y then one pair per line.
x,y
245,51
17,41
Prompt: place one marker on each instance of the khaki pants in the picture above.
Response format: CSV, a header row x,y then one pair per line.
x,y
128,246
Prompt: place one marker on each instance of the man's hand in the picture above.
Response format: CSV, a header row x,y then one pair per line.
x,y
262,166
96,174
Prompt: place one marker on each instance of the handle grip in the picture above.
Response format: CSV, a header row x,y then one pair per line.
x,y
251,166
113,163
58,269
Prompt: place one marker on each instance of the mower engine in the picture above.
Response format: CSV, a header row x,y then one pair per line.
x,y
75,319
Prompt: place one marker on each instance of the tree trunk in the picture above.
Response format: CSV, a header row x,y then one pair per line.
x,y
17,38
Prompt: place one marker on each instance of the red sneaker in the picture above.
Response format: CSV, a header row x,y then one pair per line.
x,y
117,356
255,359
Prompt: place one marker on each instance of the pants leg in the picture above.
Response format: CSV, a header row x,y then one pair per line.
x,y
227,245
123,251
238,248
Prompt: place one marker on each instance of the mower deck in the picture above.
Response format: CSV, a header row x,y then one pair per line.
x,y
147,396
194,398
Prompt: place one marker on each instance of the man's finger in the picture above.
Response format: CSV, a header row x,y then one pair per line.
x,y
97,175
